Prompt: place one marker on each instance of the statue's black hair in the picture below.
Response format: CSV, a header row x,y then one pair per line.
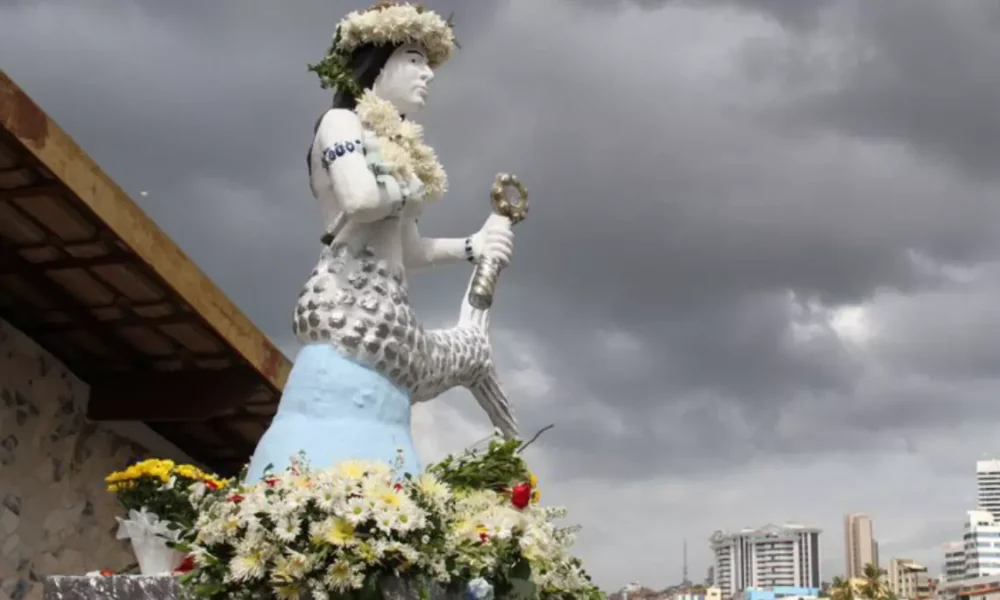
x,y
365,64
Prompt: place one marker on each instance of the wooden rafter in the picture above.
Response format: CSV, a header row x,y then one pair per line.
x,y
183,396
126,320
65,300
30,191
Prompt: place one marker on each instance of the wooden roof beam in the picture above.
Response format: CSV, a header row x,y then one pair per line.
x,y
53,149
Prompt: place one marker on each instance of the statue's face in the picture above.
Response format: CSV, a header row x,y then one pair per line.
x,y
404,79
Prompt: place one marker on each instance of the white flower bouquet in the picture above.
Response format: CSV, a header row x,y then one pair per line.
x,y
360,528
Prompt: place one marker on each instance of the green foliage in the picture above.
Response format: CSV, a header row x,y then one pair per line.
x,y
871,586
495,469
333,71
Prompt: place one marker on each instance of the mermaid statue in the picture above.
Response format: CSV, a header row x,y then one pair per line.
x,y
365,357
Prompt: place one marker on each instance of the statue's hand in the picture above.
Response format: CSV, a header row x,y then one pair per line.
x,y
495,239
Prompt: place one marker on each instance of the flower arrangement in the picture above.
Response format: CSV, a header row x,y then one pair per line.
x,y
334,531
531,555
468,523
162,487
157,495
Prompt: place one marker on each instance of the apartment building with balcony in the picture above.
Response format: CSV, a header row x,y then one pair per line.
x,y
773,556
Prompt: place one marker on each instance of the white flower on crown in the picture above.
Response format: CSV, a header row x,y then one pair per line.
x,y
388,23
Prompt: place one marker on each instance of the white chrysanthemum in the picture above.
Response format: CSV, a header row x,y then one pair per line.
x,y
357,510
328,495
247,566
343,576
291,567
319,593
287,528
401,147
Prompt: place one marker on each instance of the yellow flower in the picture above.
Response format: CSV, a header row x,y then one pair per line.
x,y
367,552
533,479
338,532
352,469
189,471
536,495
390,497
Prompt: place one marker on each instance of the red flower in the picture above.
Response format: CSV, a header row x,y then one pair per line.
x,y
212,485
107,572
397,486
520,496
483,537
235,498
186,565
271,481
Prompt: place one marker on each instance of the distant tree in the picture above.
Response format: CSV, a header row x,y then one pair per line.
x,y
841,589
873,584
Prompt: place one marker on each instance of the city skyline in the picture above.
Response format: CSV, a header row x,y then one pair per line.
x,y
977,555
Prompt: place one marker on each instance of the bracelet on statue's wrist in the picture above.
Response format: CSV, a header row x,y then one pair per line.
x,y
469,254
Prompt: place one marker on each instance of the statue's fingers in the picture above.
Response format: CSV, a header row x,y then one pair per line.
x,y
501,251
503,244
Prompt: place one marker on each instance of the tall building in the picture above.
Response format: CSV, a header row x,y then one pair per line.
x,y
908,579
772,556
981,542
954,561
860,547
988,486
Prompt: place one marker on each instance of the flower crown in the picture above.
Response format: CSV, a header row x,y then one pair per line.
x,y
386,22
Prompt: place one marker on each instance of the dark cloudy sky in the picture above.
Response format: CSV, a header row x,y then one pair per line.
x,y
760,279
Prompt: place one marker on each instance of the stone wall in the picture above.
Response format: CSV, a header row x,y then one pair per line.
x,y
55,515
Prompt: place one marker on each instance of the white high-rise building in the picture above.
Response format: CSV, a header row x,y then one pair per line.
x,y
981,542
988,486
771,556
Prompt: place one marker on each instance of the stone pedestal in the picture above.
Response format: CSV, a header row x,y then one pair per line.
x,y
116,587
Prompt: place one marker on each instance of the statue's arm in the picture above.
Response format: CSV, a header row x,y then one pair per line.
x,y
354,187
419,252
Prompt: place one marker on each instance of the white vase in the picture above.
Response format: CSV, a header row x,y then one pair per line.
x,y
149,537
155,556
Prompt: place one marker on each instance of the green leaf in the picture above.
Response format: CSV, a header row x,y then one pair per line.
x,y
521,570
523,589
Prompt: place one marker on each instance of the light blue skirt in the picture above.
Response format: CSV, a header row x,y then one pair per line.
x,y
335,409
